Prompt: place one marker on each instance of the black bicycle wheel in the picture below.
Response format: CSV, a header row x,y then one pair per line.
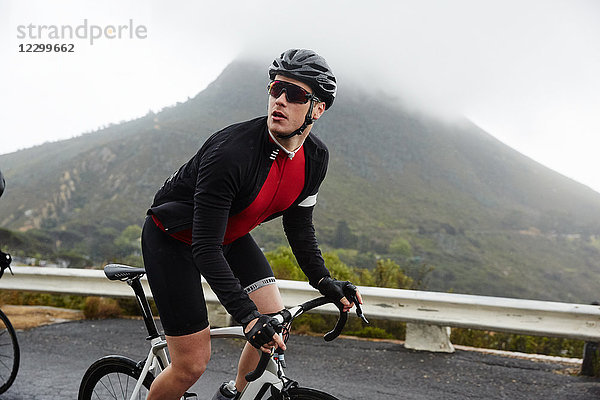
x,y
113,377
9,353
300,393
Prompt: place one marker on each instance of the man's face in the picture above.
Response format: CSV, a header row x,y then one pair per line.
x,y
284,117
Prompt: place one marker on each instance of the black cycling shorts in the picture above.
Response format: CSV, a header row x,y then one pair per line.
x,y
175,281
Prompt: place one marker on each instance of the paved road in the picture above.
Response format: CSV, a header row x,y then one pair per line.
x,y
55,357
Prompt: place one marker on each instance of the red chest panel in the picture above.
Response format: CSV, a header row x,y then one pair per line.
x,y
282,187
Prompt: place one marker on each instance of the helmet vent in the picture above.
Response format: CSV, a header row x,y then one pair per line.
x,y
306,57
318,67
289,66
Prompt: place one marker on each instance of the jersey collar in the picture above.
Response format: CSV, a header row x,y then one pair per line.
x,y
290,154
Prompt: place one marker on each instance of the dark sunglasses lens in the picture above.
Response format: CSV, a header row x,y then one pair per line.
x,y
275,89
296,94
293,93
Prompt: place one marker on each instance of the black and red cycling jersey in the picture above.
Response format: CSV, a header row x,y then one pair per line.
x,y
238,179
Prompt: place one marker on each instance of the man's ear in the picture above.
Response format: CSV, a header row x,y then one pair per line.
x,y
318,110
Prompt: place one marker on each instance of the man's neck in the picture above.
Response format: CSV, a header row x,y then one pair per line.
x,y
291,145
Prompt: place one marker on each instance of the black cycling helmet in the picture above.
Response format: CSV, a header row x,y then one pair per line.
x,y
310,68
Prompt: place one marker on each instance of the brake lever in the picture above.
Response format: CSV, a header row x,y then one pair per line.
x,y
359,309
360,314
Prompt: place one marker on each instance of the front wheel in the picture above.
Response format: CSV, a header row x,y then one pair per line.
x,y
113,377
9,353
300,393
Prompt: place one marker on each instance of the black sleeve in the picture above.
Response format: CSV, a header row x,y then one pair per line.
x,y
300,232
216,185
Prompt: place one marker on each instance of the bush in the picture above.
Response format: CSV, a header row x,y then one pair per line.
x,y
101,308
42,299
522,343
389,274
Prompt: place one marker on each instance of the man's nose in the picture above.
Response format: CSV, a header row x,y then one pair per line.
x,y
282,99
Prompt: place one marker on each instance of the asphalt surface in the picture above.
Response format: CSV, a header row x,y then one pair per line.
x,y
55,357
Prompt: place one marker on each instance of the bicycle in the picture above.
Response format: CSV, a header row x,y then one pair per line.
x,y
9,346
118,377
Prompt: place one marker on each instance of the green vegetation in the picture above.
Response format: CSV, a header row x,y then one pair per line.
x,y
521,343
101,308
42,299
389,274
93,307
385,274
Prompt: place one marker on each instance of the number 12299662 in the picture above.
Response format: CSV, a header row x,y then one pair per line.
x,y
46,48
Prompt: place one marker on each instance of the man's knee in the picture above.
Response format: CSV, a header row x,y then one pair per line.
x,y
190,370
189,355
267,299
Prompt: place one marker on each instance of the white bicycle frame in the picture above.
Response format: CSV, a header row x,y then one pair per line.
x,y
158,356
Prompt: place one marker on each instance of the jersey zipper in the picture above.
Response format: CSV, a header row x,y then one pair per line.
x,y
266,213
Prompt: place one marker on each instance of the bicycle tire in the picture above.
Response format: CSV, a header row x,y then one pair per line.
x,y
301,393
113,377
10,354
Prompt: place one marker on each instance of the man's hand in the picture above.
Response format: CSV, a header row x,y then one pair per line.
x,y
342,291
262,333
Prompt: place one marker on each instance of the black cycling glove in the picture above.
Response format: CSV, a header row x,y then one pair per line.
x,y
335,290
263,331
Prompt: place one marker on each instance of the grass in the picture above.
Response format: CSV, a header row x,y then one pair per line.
x,y
93,307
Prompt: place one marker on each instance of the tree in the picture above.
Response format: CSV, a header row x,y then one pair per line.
x,y
389,274
128,241
401,247
284,264
343,236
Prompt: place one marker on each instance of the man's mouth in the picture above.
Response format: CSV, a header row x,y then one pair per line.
x,y
278,115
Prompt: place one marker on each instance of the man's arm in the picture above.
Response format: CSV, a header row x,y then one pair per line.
x,y
216,185
300,232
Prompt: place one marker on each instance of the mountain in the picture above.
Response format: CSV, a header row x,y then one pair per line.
x,y
409,186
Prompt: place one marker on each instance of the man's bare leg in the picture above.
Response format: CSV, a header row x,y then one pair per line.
x,y
268,300
189,356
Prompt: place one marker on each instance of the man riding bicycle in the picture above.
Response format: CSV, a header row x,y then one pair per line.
x,y
201,218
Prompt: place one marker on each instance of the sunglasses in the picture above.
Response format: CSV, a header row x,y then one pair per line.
x,y
293,93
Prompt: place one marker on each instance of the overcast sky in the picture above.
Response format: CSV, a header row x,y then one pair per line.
x,y
525,71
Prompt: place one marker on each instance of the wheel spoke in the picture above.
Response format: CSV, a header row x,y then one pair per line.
x,y
113,379
110,390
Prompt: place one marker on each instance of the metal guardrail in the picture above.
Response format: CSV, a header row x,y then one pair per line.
x,y
531,317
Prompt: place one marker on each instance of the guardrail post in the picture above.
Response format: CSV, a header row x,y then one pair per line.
x,y
591,357
425,337
218,316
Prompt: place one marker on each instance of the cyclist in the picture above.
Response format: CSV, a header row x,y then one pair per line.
x,y
201,218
